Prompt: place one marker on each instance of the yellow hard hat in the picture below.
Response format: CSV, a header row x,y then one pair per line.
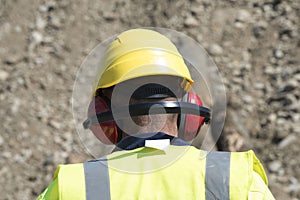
x,y
142,52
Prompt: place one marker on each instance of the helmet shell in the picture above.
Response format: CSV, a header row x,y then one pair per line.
x,y
139,53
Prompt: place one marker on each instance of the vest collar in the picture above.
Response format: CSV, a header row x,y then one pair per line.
x,y
132,142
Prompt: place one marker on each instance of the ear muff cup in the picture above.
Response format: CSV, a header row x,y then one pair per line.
x,y
106,132
190,125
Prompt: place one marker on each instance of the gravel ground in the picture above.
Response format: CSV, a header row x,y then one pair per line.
x,y
254,43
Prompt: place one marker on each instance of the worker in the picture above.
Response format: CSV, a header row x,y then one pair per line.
x,y
145,75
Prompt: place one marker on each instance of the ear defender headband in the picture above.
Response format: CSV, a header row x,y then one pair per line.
x,y
191,117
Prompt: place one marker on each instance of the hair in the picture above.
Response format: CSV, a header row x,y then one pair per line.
x,y
166,123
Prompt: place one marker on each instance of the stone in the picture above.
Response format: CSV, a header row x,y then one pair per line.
x,y
54,124
3,75
274,166
13,58
15,106
292,84
237,72
259,29
278,53
40,23
18,29
281,121
48,39
6,27
237,80
269,70
296,128
293,188
108,15
247,99
55,21
37,37
297,77
287,141
272,117
1,140
215,50
43,8
259,86
246,56
296,117
7,154
199,37
197,9
243,16
191,21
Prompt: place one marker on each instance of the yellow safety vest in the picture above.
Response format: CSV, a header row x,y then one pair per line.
x,y
216,175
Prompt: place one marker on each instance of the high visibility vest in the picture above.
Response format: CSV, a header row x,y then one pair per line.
x,y
216,175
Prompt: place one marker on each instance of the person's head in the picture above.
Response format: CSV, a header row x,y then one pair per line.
x,y
147,91
140,66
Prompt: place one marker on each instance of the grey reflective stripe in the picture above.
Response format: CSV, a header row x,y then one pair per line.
x,y
217,175
96,180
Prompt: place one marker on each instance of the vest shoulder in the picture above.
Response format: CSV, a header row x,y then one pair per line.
x,y
249,159
68,169
70,181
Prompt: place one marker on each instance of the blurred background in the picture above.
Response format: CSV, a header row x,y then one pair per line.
x,y
255,44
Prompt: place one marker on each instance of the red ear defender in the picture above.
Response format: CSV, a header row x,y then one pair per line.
x,y
106,132
101,121
190,125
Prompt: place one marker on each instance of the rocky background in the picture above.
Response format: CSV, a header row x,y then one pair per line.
x,y
255,44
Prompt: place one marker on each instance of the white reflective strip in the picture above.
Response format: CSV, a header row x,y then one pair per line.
x,y
97,184
217,175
